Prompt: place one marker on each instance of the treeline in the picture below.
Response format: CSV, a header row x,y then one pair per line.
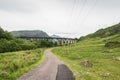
x,y
9,43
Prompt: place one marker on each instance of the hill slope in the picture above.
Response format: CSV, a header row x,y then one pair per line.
x,y
110,31
30,33
55,36
89,59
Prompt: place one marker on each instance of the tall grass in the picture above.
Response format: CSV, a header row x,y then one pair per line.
x,y
14,64
106,62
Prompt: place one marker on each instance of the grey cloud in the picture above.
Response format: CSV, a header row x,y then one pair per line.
x,y
18,5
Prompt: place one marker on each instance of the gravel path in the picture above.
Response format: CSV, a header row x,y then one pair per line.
x,y
51,69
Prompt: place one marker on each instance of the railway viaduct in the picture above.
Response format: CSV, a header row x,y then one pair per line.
x,y
59,41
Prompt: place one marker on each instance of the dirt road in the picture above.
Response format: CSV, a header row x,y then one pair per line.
x,y
51,69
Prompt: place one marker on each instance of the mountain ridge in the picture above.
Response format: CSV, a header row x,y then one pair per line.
x,y
30,33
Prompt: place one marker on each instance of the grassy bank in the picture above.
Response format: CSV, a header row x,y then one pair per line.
x,y
105,61
15,64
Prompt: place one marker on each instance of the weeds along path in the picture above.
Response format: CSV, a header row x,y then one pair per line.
x,y
51,69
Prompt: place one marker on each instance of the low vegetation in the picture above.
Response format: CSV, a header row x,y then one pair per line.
x,y
14,64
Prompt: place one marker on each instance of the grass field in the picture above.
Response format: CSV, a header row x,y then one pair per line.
x,y
106,61
15,64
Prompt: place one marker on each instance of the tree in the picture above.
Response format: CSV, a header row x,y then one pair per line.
x,y
5,34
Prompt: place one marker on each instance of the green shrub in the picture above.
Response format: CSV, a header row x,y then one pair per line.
x,y
112,44
15,45
5,34
28,46
44,43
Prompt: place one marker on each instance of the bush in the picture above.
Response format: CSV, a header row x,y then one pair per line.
x,y
5,34
112,44
15,45
44,43
27,46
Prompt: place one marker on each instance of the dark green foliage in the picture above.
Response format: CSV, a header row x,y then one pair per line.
x,y
15,45
44,43
55,44
112,44
5,34
28,46
8,43
82,38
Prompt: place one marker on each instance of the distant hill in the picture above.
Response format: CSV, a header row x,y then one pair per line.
x,y
55,36
30,33
110,31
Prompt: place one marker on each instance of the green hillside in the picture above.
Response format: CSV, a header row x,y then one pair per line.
x,y
30,33
91,59
110,31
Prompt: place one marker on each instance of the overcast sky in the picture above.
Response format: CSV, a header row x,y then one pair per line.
x,y
69,18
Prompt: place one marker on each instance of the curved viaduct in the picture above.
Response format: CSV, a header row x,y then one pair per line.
x,y
59,41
